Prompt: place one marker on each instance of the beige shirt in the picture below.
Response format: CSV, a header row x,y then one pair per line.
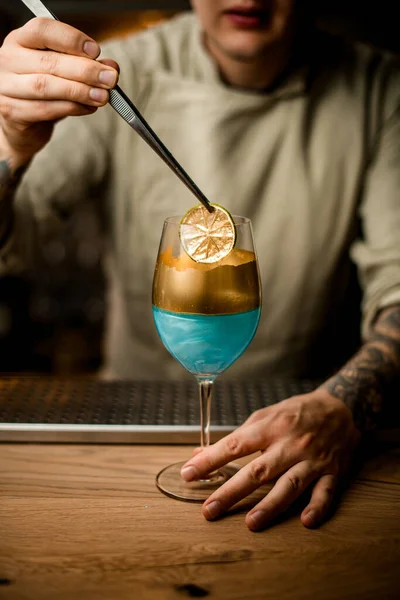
x,y
315,164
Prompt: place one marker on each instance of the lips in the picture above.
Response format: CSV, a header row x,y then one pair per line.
x,y
247,16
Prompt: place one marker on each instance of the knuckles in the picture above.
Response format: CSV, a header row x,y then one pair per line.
x,y
7,109
258,415
329,491
259,473
36,28
235,446
40,85
295,483
285,421
49,62
89,71
306,441
75,94
69,38
41,32
41,110
11,38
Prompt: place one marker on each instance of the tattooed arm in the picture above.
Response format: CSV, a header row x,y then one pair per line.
x,y
361,383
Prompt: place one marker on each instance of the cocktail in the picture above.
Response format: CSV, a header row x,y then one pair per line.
x,y
206,307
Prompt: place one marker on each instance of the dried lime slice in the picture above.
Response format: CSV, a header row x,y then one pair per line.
x,y
207,237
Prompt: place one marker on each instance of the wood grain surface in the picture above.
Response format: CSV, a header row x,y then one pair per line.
x,y
87,523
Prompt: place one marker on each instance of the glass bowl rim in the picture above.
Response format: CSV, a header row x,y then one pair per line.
x,y
238,220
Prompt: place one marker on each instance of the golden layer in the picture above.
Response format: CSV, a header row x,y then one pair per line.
x,y
230,286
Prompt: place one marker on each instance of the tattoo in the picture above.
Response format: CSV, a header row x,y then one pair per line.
x,y
363,381
8,184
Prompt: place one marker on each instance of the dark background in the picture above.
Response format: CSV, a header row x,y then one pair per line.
x,y
55,324
373,22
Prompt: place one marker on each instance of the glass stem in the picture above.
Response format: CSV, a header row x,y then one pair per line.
x,y
205,390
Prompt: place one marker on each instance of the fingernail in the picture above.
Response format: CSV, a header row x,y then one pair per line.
x,y
91,49
189,473
213,509
98,95
108,78
310,518
257,519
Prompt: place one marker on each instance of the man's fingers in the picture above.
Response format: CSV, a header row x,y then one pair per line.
x,y
286,490
258,472
320,502
236,444
48,87
28,111
73,68
43,34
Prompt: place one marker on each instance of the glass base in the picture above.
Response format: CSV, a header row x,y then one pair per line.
x,y
170,482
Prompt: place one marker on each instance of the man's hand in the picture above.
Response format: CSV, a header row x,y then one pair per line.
x,y
305,441
47,72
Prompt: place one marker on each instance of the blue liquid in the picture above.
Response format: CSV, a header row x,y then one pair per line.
x,y
206,344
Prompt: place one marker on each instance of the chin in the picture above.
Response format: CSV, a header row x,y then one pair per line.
x,y
244,46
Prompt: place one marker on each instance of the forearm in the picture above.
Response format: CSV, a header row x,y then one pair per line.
x,y
11,171
362,382
9,181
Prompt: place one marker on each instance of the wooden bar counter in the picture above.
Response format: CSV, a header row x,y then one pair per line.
x,y
87,523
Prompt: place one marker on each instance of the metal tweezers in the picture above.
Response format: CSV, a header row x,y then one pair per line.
x,y
128,111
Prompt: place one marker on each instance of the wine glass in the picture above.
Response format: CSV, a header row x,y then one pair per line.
x,y
206,316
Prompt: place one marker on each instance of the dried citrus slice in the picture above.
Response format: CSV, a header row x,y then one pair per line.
x,y
207,237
